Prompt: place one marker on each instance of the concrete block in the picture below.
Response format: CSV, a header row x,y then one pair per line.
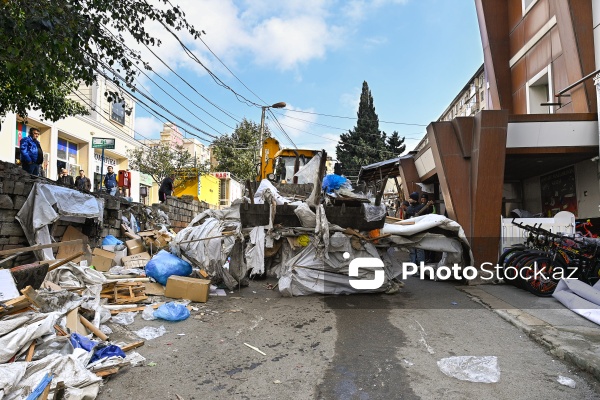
x,y
4,240
8,215
12,229
6,202
9,187
19,188
19,201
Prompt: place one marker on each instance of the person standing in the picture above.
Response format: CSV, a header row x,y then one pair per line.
x,y
110,181
166,188
401,213
32,155
65,179
82,182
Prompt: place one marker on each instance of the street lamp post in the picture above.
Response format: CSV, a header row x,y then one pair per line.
x,y
281,104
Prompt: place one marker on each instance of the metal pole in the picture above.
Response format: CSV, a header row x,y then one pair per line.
x,y
262,128
102,169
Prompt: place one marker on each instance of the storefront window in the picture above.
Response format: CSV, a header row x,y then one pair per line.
x,y
66,154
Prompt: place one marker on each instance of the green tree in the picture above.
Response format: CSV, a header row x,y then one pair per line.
x,y
47,48
163,160
237,153
395,144
365,144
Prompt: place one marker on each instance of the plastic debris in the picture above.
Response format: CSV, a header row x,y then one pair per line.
x,y
152,364
124,318
172,311
165,264
471,368
108,351
148,313
135,358
563,380
105,329
150,332
254,348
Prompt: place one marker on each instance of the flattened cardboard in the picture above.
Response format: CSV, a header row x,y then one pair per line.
x,y
184,287
8,288
65,251
102,260
154,289
74,323
136,261
135,246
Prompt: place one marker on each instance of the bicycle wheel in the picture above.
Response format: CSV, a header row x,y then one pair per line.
x,y
543,274
520,264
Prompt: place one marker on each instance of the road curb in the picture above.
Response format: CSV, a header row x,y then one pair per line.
x,y
561,344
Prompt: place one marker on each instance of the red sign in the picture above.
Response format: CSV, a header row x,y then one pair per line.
x,y
221,175
125,179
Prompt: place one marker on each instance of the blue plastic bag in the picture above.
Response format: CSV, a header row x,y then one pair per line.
x,y
81,342
172,312
110,240
333,182
165,264
108,351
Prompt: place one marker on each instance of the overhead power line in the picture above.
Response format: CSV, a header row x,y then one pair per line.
x,y
354,118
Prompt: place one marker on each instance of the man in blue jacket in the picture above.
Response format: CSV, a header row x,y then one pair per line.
x,y
110,181
32,155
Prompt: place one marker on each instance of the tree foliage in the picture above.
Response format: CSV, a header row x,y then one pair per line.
x,y
237,153
163,160
395,145
365,144
47,48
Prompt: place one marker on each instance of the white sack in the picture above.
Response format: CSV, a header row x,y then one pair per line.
x,y
580,298
12,342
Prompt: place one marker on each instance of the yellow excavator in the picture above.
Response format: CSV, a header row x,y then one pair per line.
x,y
279,165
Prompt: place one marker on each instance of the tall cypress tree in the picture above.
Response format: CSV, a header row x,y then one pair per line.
x,y
395,144
365,144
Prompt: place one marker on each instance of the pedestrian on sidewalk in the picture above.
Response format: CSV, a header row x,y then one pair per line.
x,y
32,155
110,181
65,179
82,182
166,188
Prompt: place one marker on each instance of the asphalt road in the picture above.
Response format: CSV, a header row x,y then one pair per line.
x,y
348,347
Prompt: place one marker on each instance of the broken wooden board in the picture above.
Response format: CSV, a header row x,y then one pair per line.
x,y
154,289
14,306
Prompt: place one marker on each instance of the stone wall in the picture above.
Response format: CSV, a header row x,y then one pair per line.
x,y
16,184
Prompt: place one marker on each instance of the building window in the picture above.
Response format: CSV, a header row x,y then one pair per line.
x,y
527,5
539,89
117,112
66,156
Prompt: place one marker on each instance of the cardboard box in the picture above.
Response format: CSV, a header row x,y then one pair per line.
x,y
184,287
103,260
119,254
135,246
136,261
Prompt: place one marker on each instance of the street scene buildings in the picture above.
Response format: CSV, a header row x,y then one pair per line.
x,y
241,265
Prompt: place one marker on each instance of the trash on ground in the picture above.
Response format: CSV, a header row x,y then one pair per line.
x,y
150,332
172,311
471,368
563,380
124,318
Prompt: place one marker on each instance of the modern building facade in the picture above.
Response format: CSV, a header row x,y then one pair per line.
x,y
533,142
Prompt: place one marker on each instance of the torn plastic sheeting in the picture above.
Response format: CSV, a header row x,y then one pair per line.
x,y
304,281
135,358
72,275
56,345
580,298
308,219
12,342
264,185
124,318
255,254
427,222
62,301
309,172
18,379
336,262
373,212
38,212
471,368
151,332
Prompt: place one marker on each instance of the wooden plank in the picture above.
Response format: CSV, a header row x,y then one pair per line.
x,y
30,352
66,260
107,372
132,346
60,330
130,300
40,247
140,308
44,395
59,392
31,295
93,328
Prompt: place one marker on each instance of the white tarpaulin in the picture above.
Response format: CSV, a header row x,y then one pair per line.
x,y
255,253
37,325
454,243
39,211
580,298
17,380
72,275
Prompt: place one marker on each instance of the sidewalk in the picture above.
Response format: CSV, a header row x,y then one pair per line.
x,y
566,334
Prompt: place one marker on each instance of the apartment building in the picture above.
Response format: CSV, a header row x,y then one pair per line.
x,y
67,143
523,132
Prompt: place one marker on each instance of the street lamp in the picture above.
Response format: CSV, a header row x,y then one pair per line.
x,y
281,104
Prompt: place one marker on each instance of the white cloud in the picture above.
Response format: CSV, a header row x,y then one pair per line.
x,y
351,100
149,127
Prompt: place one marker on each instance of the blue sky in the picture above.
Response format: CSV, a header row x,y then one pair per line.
x,y
314,55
